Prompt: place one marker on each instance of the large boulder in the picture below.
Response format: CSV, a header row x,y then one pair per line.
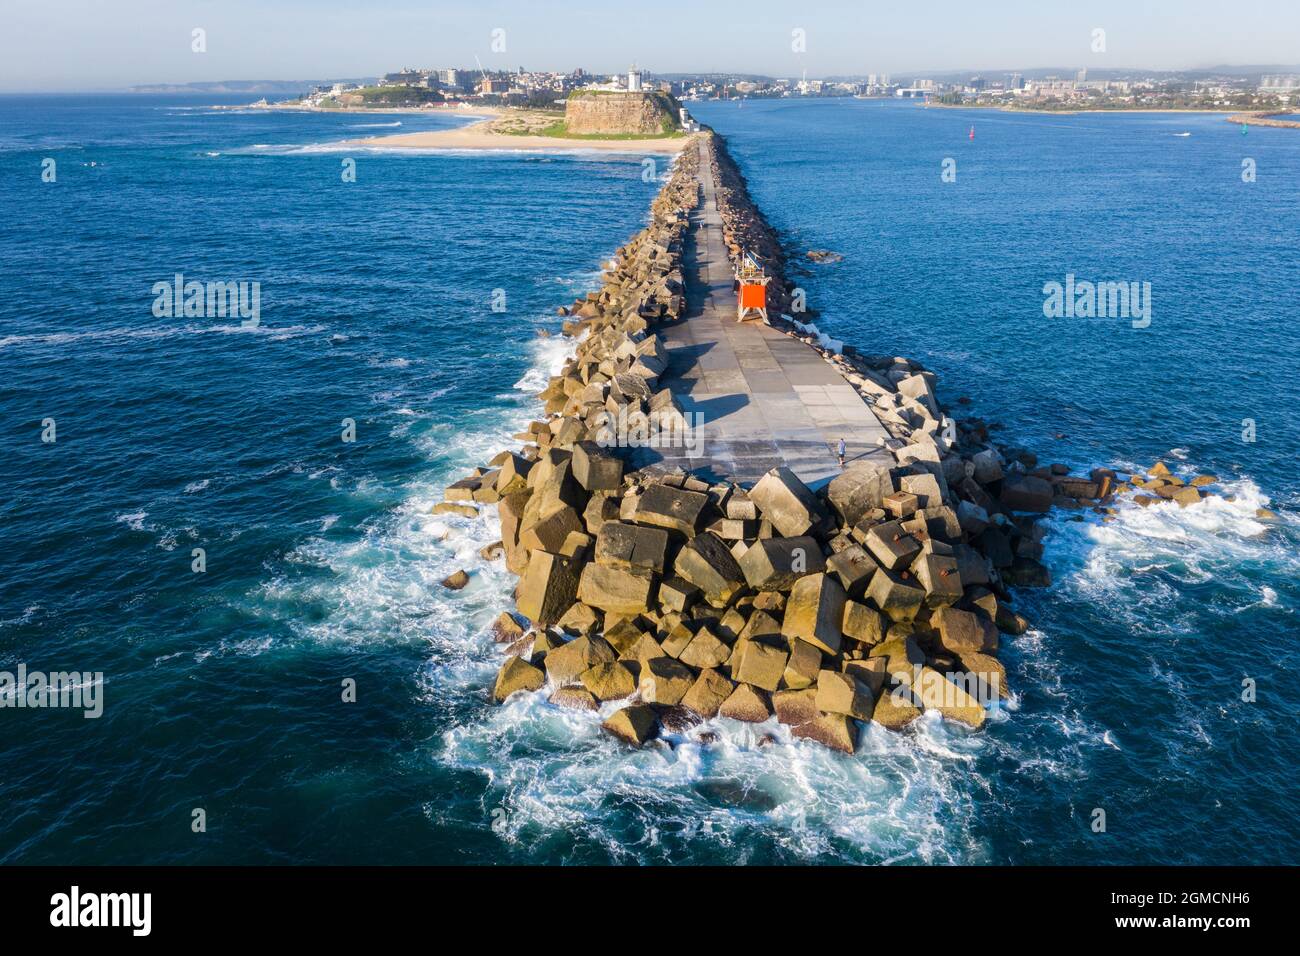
x,y
707,563
794,707
665,681
836,731
663,506
616,590
853,568
759,664
609,681
595,470
630,546
891,545
938,574
565,664
516,674
840,693
705,650
803,666
859,489
1027,493
707,694
551,531
896,708
936,692
773,564
815,611
898,597
746,703
862,623
548,587
634,724
787,503
963,632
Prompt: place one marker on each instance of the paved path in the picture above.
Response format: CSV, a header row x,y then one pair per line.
x,y
767,399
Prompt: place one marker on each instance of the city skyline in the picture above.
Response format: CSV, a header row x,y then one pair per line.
x,y
78,45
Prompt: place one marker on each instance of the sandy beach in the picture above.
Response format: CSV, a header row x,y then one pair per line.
x,y
482,136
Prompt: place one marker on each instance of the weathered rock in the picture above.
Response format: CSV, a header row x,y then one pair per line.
x,y
897,708
815,611
705,650
579,619
677,595
456,580
840,693
746,703
871,672
858,489
630,546
548,587
505,629
773,564
786,501
794,707
853,568
961,632
803,665
609,681
898,598
936,692
665,681
1027,573
707,694
616,590
634,724
573,698
551,530
891,545
835,731
516,674
938,574
901,504
862,623
1026,493
990,673
988,466
676,509
760,664
595,470
926,488
707,564
565,664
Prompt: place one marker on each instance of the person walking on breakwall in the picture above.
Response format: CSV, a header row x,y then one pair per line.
x,y
840,451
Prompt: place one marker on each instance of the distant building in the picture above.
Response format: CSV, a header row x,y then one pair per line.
x,y
450,78
1279,84
634,80
1017,82
1081,76
492,85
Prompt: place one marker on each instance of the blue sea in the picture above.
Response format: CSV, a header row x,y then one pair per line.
x,y
223,690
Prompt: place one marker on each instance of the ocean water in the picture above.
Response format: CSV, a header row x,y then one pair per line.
x,y
223,690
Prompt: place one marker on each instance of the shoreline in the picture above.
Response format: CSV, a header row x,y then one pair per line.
x,y
480,136
1268,119
1022,109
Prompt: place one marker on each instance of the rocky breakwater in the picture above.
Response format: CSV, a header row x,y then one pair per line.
x,y
661,600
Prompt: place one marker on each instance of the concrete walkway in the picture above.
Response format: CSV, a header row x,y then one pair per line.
x,y
767,399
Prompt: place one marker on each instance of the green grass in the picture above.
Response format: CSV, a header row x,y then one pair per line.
x,y
559,130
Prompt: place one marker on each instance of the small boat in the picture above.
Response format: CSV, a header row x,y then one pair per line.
x,y
972,132
1182,134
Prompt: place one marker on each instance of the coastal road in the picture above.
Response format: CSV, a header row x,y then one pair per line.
x,y
767,399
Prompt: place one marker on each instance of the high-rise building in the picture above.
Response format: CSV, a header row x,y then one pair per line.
x,y
634,80
1017,82
1081,76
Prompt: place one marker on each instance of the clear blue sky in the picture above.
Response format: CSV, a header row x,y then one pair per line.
x,y
107,44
